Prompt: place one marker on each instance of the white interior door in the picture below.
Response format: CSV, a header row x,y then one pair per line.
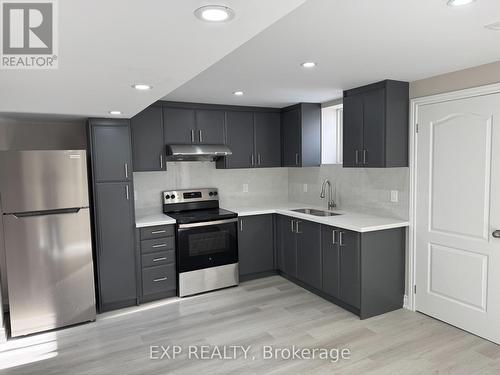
x,y
458,211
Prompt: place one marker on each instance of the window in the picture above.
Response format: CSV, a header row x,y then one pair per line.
x,y
331,134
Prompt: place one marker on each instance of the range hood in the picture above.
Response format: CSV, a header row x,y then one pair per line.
x,y
189,152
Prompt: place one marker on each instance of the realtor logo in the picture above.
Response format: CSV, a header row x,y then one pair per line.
x,y
29,34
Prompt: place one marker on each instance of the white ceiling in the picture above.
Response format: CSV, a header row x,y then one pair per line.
x,y
106,46
354,42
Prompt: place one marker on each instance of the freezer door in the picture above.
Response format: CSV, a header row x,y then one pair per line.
x,y
43,180
49,270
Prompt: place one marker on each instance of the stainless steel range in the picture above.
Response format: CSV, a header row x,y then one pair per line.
x,y
207,243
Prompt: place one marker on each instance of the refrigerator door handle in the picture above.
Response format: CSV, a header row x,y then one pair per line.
x,y
19,215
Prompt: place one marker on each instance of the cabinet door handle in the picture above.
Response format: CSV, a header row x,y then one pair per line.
x,y
341,238
192,135
364,156
159,245
241,225
496,234
159,259
334,237
126,170
200,135
253,160
161,161
296,158
160,279
357,156
259,159
126,192
291,222
158,231
297,227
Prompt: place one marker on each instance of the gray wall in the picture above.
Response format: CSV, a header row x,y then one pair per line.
x,y
30,132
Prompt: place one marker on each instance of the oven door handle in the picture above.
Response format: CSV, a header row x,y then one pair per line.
x,y
207,223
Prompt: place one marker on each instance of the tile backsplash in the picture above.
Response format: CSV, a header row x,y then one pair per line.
x,y
362,190
269,185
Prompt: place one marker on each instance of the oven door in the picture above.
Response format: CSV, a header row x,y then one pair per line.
x,y
207,244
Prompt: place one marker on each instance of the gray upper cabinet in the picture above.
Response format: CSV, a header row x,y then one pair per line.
x,y
112,160
209,127
255,244
179,125
115,244
375,132
267,139
148,146
301,134
309,253
239,138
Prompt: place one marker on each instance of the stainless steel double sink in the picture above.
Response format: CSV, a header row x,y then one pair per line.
x,y
315,212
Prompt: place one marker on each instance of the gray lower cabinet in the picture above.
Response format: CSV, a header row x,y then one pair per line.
x,y
156,256
115,245
309,253
148,146
364,270
287,250
255,245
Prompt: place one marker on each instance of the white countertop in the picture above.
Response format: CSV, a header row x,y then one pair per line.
x,y
354,221
358,222
149,217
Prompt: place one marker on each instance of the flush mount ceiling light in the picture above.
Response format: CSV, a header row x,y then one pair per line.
x,y
238,93
142,86
214,13
115,113
308,64
458,3
495,26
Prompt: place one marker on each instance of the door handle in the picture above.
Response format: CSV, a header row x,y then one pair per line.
x,y
161,161
158,231
334,233
160,279
200,135
241,225
259,159
192,135
357,156
364,156
126,170
496,234
126,192
296,158
159,259
159,245
291,222
297,227
253,160
341,238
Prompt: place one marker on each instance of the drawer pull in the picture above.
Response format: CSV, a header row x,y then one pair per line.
x,y
159,259
160,279
159,245
158,231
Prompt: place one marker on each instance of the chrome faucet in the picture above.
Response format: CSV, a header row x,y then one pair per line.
x,y
331,202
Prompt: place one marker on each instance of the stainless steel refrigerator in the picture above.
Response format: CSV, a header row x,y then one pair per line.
x,y
45,205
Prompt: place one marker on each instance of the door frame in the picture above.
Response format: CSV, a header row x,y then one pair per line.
x,y
415,104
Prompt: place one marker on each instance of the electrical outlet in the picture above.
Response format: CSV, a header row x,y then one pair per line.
x,y
304,188
394,196
245,188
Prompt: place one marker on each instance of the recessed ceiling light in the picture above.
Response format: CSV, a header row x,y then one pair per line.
x,y
115,113
495,26
238,93
141,86
214,13
308,64
458,3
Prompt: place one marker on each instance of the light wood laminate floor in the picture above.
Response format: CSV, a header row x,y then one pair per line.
x,y
269,311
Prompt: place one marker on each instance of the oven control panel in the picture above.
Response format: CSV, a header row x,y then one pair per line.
x,y
186,196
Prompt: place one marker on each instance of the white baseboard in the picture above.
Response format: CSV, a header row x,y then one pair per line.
x,y
405,302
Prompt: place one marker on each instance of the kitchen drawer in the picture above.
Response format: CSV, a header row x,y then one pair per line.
x,y
157,232
158,279
158,259
158,244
